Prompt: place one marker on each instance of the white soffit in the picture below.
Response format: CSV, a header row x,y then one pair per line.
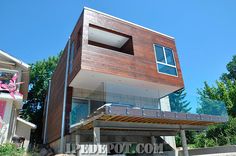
x,y
92,80
106,38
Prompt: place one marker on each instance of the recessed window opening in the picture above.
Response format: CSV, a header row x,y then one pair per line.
x,y
165,60
109,39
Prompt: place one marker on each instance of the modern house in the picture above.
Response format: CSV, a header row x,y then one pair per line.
x,y
111,85
14,81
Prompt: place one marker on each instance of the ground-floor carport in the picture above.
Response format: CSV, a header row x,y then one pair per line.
x,y
113,122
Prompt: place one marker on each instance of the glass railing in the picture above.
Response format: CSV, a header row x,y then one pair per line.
x,y
198,105
92,100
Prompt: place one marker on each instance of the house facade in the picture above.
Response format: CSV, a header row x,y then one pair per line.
x,y
111,85
14,81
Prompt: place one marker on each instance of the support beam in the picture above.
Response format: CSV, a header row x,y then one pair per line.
x,y
184,142
143,126
109,132
96,135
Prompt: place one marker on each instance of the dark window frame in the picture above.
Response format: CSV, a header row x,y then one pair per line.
x,y
165,63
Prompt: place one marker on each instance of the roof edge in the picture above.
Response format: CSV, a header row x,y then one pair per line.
x,y
33,126
25,65
99,12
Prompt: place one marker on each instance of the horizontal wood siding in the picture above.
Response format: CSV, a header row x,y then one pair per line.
x,y
76,37
141,65
57,86
56,100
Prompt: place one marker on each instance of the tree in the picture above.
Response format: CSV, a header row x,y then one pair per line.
x,y
225,89
210,97
211,107
40,73
178,102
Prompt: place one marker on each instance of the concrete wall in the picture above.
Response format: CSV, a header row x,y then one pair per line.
x,y
23,130
5,136
216,151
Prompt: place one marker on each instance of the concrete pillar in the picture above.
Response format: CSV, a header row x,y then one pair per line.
x,y
184,142
96,135
77,139
154,140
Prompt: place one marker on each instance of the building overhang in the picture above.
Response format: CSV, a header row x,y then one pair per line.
x,y
91,80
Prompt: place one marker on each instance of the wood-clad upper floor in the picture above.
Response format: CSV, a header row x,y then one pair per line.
x,y
101,43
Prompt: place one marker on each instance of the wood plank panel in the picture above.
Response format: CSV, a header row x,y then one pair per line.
x,y
141,65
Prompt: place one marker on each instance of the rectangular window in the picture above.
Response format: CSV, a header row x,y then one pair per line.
x,y
72,48
165,60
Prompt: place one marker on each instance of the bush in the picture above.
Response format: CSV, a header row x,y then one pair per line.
x,y
210,143
200,140
9,149
217,135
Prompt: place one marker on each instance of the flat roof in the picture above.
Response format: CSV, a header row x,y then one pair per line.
x,y
99,12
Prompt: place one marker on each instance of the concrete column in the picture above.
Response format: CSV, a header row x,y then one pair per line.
x,y
77,142
154,140
184,142
96,135
77,139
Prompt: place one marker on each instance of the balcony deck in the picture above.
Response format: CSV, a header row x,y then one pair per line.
x,y
112,114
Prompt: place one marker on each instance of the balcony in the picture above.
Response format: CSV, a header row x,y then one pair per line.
x,y
128,104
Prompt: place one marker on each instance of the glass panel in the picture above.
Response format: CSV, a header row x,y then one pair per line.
x,y
179,105
167,69
160,54
169,56
79,110
182,102
123,95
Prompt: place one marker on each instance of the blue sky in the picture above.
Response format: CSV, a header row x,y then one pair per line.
x,y
204,30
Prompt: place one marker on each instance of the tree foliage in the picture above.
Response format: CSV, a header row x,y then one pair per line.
x,y
224,90
178,102
40,73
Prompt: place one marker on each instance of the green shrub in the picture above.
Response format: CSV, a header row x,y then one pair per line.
x,y
9,149
210,143
200,140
